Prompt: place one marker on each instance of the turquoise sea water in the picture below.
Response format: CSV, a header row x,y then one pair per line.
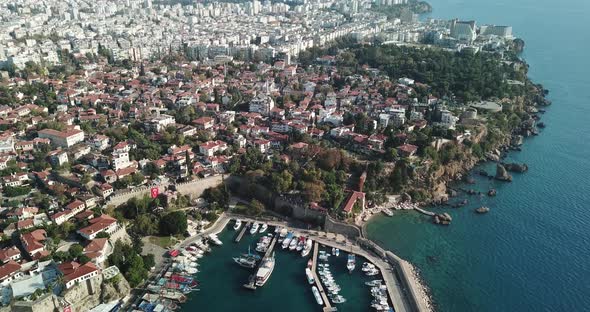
x,y
531,252
287,290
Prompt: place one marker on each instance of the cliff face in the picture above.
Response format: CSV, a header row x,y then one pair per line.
x,y
90,293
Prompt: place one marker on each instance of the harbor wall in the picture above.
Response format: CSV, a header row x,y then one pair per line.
x,y
193,188
348,230
403,271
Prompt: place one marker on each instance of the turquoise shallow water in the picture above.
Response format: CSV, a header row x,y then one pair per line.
x,y
531,252
287,289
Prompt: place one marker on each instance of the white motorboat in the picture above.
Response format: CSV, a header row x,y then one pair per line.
x,y
337,253
254,228
317,296
351,262
387,212
237,225
215,240
287,240
307,248
300,244
309,276
293,243
263,228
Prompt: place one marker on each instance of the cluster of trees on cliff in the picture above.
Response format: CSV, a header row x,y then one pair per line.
x,y
465,75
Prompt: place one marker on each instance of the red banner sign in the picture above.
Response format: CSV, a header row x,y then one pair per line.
x,y
155,191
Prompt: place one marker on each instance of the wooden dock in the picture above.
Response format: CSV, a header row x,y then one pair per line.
x,y
244,228
318,282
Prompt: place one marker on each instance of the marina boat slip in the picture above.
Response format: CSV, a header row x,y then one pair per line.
x,y
309,276
237,225
263,228
307,248
265,270
254,228
351,263
317,296
287,240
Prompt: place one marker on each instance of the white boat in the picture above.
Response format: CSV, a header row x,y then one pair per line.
x,y
265,270
367,267
282,234
376,282
309,276
372,272
263,228
317,296
215,240
287,240
254,228
300,244
293,243
338,299
337,253
351,263
387,212
333,251
237,225
307,248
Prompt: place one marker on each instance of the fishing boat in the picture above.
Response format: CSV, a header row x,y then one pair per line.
x,y
263,228
309,276
293,243
246,262
254,228
317,296
215,240
265,270
287,240
387,212
351,263
307,248
237,225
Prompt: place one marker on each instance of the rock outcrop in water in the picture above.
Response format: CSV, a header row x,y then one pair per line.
x,y
515,167
502,174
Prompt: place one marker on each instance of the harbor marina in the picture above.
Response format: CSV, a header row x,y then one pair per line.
x,y
287,288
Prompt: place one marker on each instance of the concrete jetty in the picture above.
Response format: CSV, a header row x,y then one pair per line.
x,y
426,212
327,305
244,228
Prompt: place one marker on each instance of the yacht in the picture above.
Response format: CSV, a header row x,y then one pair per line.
x,y
372,272
237,225
265,270
215,240
351,263
317,296
307,248
387,212
309,276
338,299
254,228
263,228
367,267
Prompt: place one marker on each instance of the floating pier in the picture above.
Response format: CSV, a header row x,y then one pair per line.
x,y
327,305
242,231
